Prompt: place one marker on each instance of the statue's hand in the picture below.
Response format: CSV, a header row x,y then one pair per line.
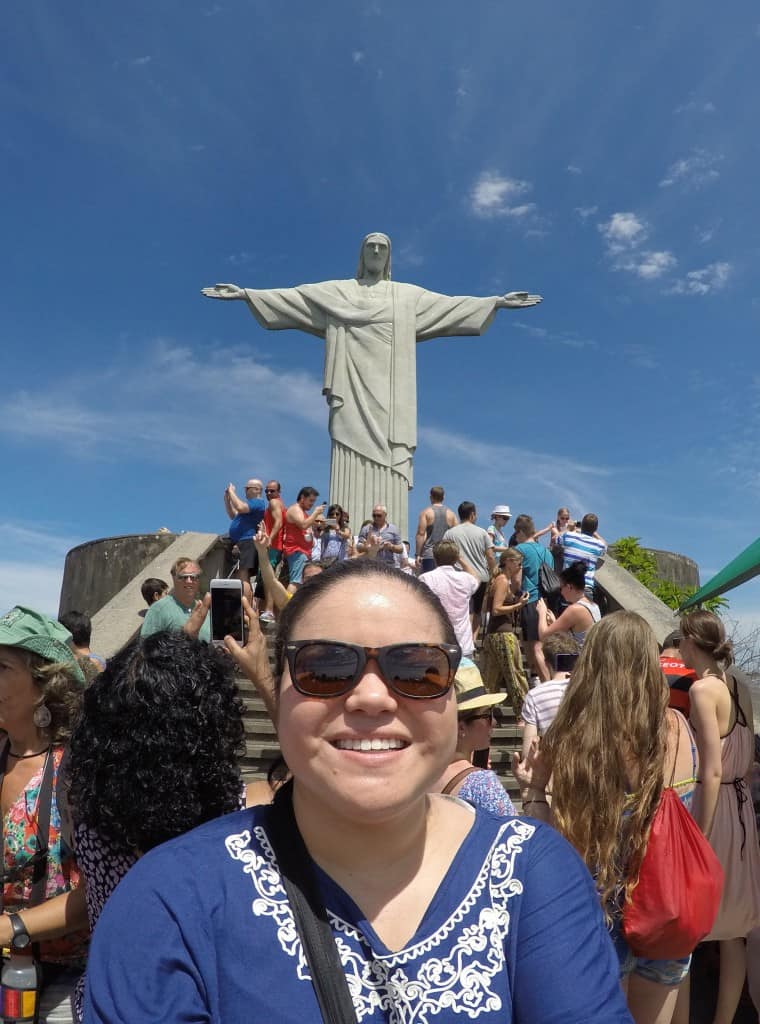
x,y
519,300
224,291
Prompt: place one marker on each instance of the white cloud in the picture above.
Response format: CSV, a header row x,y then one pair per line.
x,y
653,264
357,56
521,210
696,107
111,413
34,586
573,169
35,580
16,537
706,234
536,332
694,171
567,338
641,356
409,255
624,234
712,278
584,212
495,196
623,231
138,62
530,466
239,258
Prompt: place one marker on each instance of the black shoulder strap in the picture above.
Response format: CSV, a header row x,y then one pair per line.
x,y
44,807
3,763
327,975
738,709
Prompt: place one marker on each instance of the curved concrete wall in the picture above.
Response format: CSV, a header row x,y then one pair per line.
x,y
673,568
96,571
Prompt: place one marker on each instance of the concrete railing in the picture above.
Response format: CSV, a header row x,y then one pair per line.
x,y
625,592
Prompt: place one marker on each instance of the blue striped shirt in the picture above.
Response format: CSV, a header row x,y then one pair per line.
x,y
582,547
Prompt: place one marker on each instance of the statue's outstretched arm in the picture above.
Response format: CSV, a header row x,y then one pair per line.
x,y
516,300
223,291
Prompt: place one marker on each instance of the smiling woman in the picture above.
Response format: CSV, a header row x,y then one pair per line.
x,y
433,910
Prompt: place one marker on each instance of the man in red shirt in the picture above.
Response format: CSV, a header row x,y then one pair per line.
x,y
274,520
678,676
297,540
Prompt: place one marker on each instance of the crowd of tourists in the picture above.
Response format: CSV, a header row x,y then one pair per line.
x,y
350,886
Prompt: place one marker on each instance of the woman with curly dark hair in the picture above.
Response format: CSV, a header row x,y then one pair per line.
x,y
154,754
41,902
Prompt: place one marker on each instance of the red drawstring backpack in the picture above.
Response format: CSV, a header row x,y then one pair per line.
x,y
676,900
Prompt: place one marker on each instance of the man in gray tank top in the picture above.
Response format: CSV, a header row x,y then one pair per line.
x,y
434,521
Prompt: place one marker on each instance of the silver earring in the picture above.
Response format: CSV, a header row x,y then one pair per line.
x,y
42,717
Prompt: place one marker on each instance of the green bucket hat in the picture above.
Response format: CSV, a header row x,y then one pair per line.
x,y
32,631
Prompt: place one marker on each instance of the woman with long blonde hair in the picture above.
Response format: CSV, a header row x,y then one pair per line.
x,y
611,749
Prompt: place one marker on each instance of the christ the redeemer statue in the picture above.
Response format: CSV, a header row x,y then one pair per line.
x,y
371,326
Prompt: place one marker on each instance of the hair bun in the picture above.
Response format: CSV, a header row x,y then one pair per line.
x,y
724,651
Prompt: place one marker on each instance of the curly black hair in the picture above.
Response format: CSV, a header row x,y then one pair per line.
x,y
155,750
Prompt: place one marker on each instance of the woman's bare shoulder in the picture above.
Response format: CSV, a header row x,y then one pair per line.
x,y
708,686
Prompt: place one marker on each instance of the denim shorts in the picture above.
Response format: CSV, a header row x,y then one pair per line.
x,y
296,563
662,972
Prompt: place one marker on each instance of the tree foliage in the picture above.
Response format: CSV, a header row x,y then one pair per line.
x,y
629,554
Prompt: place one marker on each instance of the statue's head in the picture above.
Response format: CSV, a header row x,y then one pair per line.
x,y
375,246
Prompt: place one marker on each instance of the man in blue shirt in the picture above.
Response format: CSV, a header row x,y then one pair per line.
x,y
246,514
586,546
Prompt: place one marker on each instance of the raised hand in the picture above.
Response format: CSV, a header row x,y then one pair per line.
x,y
223,291
261,541
197,616
252,658
532,773
519,300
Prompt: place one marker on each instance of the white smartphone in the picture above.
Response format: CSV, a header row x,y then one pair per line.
x,y
226,610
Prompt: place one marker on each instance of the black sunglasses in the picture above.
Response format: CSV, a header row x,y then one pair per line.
x,y
330,668
476,718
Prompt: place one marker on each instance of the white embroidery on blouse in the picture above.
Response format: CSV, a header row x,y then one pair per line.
x,y
409,985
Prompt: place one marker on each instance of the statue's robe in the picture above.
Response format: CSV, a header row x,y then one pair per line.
x,y
370,376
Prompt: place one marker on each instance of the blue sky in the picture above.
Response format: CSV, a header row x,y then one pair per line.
x,y
603,155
